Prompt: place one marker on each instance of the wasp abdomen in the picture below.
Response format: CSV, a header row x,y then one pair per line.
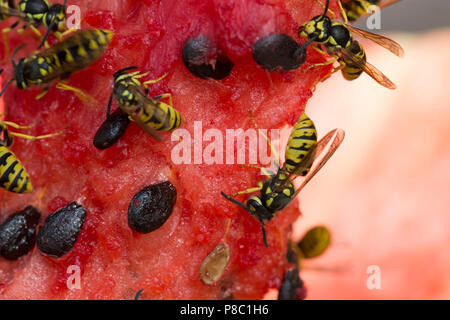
x,y
68,56
13,176
301,141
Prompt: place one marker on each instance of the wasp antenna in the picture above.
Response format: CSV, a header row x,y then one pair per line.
x,y
20,47
304,46
243,206
65,6
122,71
326,8
108,109
240,204
263,227
138,294
5,87
49,29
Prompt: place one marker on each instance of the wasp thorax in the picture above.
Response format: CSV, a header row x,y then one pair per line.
x,y
340,36
57,14
33,7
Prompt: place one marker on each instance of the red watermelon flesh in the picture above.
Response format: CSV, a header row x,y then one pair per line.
x,y
116,262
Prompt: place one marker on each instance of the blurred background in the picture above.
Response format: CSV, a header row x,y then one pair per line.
x,y
385,193
414,15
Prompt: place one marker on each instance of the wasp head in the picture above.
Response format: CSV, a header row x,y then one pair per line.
x,y
55,18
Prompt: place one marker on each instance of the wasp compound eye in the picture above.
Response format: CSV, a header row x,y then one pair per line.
x,y
278,53
204,60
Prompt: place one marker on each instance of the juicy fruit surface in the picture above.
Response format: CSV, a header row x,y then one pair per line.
x,y
116,262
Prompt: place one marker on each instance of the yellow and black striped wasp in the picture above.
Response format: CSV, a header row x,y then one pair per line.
x,y
151,114
13,176
59,61
304,157
35,13
355,9
338,41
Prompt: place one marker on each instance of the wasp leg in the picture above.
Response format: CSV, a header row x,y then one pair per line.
x,y
35,31
341,66
60,36
329,10
42,94
28,137
61,85
165,96
250,190
272,148
316,48
16,126
343,14
5,38
156,80
22,30
328,62
146,83
265,171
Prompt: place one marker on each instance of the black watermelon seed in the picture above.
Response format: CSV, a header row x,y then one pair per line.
x,y
204,60
18,233
111,130
292,287
278,53
61,230
151,207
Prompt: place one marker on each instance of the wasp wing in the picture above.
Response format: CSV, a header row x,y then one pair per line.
x,y
336,137
376,74
383,41
387,3
7,11
145,105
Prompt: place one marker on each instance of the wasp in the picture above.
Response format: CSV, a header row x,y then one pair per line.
x,y
35,13
151,114
313,244
59,61
355,9
13,176
338,41
304,157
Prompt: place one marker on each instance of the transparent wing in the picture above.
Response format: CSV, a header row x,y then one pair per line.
x,y
333,139
12,12
145,103
387,3
376,74
383,41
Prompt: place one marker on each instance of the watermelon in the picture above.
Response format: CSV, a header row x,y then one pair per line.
x,y
113,260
